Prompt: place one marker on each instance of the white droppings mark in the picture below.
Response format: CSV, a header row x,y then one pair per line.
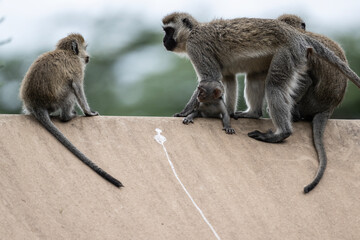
x,y
161,139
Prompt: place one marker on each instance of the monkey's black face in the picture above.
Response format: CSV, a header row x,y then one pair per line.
x,y
87,59
168,40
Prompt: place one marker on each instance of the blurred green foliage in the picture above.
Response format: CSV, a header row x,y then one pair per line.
x,y
140,78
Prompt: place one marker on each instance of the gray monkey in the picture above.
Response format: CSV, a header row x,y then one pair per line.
x,y
273,54
54,82
211,104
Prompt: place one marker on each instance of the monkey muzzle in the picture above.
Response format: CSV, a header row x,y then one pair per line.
x,y
87,59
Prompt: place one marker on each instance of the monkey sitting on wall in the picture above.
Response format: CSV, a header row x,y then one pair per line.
x,y
211,104
271,53
54,82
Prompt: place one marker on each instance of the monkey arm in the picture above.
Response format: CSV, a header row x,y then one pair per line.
x,y
190,106
254,93
231,90
80,96
206,69
226,118
189,119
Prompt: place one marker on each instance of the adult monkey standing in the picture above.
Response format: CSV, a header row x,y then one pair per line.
x,y
263,49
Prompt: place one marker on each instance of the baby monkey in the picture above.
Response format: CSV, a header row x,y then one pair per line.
x,y
55,83
210,103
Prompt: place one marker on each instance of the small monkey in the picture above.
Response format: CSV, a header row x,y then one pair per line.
x,y
211,104
54,82
271,53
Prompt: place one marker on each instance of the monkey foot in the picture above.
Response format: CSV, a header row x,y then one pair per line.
x,y
240,114
187,121
268,136
229,130
91,113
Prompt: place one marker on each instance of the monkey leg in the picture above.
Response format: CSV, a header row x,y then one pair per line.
x,y
67,111
254,96
231,93
226,123
281,82
189,119
80,96
280,113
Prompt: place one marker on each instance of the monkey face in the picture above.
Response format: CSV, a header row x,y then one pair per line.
x,y
168,40
87,59
202,95
208,95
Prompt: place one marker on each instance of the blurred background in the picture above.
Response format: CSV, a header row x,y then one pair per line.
x,y
130,72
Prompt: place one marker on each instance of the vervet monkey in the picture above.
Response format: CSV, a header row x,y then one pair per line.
x,y
263,49
324,93
211,104
54,82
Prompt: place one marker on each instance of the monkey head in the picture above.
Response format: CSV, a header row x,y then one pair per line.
x,y
177,27
76,44
293,21
209,91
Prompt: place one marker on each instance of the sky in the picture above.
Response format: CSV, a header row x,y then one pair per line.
x,y
38,24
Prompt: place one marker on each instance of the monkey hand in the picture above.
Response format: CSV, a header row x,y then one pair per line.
x,y
245,114
229,130
179,115
91,113
187,121
269,136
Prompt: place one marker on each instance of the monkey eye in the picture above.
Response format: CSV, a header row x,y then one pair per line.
x,y
169,30
303,26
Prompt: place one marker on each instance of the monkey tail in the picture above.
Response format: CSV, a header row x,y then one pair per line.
x,y
326,54
43,117
318,125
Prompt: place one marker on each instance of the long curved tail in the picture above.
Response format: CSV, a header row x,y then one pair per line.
x,y
324,53
43,117
318,125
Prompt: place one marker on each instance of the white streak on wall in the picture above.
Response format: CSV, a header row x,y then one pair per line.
x,y
161,139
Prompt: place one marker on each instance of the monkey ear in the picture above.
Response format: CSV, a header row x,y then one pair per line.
x,y
187,23
217,93
74,47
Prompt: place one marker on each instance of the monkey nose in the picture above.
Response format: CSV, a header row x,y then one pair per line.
x,y
87,59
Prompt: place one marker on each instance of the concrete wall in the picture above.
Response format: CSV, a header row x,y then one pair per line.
x,y
220,186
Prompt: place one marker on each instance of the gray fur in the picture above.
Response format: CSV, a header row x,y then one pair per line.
x,y
54,83
211,106
267,48
322,91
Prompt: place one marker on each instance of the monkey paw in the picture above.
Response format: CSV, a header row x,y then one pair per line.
x,y
187,121
268,136
91,113
241,114
229,130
